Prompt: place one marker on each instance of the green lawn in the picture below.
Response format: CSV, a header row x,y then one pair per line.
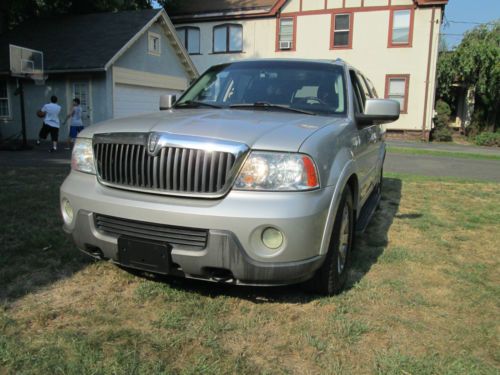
x,y
442,153
423,297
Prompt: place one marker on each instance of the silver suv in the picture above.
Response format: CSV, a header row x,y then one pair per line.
x,y
259,174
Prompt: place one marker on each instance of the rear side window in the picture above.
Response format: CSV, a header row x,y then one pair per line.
x,y
364,86
359,94
372,88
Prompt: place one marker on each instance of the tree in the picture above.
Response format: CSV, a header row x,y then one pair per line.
x,y
17,11
170,5
446,75
443,44
475,63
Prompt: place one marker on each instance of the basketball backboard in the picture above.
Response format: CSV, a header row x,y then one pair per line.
x,y
25,62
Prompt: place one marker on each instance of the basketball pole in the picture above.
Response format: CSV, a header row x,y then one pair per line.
x,y
23,115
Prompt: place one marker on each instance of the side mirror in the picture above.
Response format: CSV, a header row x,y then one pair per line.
x,y
167,101
379,111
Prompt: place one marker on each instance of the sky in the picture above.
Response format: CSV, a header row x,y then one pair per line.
x,y
463,15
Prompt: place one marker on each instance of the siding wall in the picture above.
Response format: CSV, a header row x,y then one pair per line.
x,y
369,53
140,70
61,86
138,58
34,98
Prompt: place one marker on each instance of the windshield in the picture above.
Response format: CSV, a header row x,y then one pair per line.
x,y
317,88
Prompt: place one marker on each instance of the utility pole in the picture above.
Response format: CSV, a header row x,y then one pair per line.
x,y
23,115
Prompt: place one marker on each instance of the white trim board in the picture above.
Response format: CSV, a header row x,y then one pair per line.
x,y
139,78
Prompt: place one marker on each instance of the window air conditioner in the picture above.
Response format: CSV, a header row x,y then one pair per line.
x,y
285,44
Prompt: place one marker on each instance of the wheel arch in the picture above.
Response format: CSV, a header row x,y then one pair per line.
x,y
347,177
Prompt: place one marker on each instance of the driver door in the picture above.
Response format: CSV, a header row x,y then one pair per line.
x,y
363,146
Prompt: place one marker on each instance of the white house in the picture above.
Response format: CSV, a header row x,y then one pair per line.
x,y
394,42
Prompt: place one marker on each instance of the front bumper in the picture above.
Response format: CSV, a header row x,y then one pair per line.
x,y
234,250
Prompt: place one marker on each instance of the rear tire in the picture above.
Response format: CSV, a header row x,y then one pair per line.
x,y
332,276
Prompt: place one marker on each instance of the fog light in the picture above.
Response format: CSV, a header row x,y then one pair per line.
x,y
272,238
67,211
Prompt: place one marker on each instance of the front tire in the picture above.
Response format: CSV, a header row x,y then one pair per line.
x,y
332,276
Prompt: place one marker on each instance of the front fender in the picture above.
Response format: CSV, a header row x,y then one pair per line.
x,y
341,173
331,148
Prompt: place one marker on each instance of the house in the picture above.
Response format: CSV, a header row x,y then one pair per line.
x,y
117,64
394,42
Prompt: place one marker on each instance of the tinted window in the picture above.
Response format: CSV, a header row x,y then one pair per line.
x,y
318,88
364,86
372,88
359,94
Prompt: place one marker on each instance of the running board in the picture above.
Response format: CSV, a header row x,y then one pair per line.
x,y
367,211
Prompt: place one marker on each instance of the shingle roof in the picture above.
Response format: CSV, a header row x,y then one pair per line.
x,y
212,6
83,42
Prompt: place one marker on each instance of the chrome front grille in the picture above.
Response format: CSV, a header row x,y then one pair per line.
x,y
177,165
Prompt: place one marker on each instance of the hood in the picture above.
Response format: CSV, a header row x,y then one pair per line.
x,y
259,129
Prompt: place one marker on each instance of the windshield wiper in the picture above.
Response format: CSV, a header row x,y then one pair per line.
x,y
270,105
195,104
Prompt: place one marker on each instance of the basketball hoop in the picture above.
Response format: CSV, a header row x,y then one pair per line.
x,y
39,78
25,63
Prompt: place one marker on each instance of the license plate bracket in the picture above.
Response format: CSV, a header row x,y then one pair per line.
x,y
144,255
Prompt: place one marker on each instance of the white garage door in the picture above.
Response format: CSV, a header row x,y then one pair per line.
x,y
132,100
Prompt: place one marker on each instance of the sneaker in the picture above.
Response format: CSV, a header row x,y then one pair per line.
x,y
38,142
53,149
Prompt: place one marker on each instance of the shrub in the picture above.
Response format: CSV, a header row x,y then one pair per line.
x,y
488,139
442,134
441,131
443,113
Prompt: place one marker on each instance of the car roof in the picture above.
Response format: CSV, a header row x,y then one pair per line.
x,y
339,62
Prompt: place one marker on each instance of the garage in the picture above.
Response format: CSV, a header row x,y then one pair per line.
x,y
132,100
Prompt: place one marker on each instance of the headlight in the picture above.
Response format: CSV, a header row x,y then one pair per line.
x,y
277,171
82,158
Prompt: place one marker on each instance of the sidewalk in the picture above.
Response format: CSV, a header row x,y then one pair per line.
x,y
423,165
449,147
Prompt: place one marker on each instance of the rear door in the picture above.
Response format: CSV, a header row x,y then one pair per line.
x,y
81,90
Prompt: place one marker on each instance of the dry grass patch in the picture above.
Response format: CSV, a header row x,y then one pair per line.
x,y
423,297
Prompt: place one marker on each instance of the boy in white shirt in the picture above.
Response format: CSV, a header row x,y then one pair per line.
x,y
50,122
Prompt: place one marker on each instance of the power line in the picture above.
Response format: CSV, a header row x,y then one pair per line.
x,y
490,23
456,35
471,22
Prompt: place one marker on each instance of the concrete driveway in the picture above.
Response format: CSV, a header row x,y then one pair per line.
x,y
425,165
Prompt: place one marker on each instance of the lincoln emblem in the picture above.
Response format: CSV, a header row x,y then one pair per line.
x,y
153,141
